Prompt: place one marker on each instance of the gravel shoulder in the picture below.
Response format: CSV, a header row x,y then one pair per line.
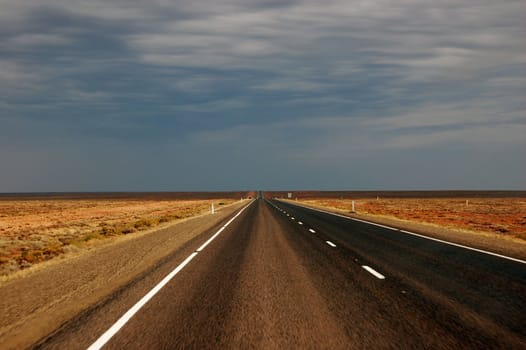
x,y
511,247
38,302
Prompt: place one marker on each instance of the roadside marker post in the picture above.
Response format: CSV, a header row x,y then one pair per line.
x,y
212,210
352,208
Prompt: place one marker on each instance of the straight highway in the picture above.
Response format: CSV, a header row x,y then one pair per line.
x,y
279,275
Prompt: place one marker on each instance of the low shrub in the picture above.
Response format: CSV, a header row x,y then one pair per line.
x,y
108,231
126,230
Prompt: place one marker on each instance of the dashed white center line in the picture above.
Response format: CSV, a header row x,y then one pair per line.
x,y
293,218
421,236
373,272
331,244
311,230
299,222
288,214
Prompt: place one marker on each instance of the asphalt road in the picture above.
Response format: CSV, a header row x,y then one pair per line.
x,y
283,276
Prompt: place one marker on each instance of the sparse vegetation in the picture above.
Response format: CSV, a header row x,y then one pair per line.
x,y
36,230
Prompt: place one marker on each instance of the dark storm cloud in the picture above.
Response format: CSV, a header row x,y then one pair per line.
x,y
315,89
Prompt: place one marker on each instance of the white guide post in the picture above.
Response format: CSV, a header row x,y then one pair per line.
x,y
352,209
212,210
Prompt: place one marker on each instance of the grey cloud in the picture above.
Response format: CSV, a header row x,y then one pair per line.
x,y
311,79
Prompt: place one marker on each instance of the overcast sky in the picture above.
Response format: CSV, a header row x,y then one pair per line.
x,y
158,95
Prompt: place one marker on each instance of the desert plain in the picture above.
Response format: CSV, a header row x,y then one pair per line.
x,y
41,227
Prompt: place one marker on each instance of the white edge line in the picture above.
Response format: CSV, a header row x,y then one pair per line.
x,y
210,239
419,235
466,247
331,244
373,272
104,338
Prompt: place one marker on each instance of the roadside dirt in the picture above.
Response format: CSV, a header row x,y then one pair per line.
x,y
410,216
36,304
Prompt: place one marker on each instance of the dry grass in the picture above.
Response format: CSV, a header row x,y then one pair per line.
x,y
32,231
502,216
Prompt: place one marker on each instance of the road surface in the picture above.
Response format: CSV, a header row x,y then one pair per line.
x,y
277,275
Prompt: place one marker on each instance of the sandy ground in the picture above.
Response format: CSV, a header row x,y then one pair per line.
x,y
45,298
494,224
